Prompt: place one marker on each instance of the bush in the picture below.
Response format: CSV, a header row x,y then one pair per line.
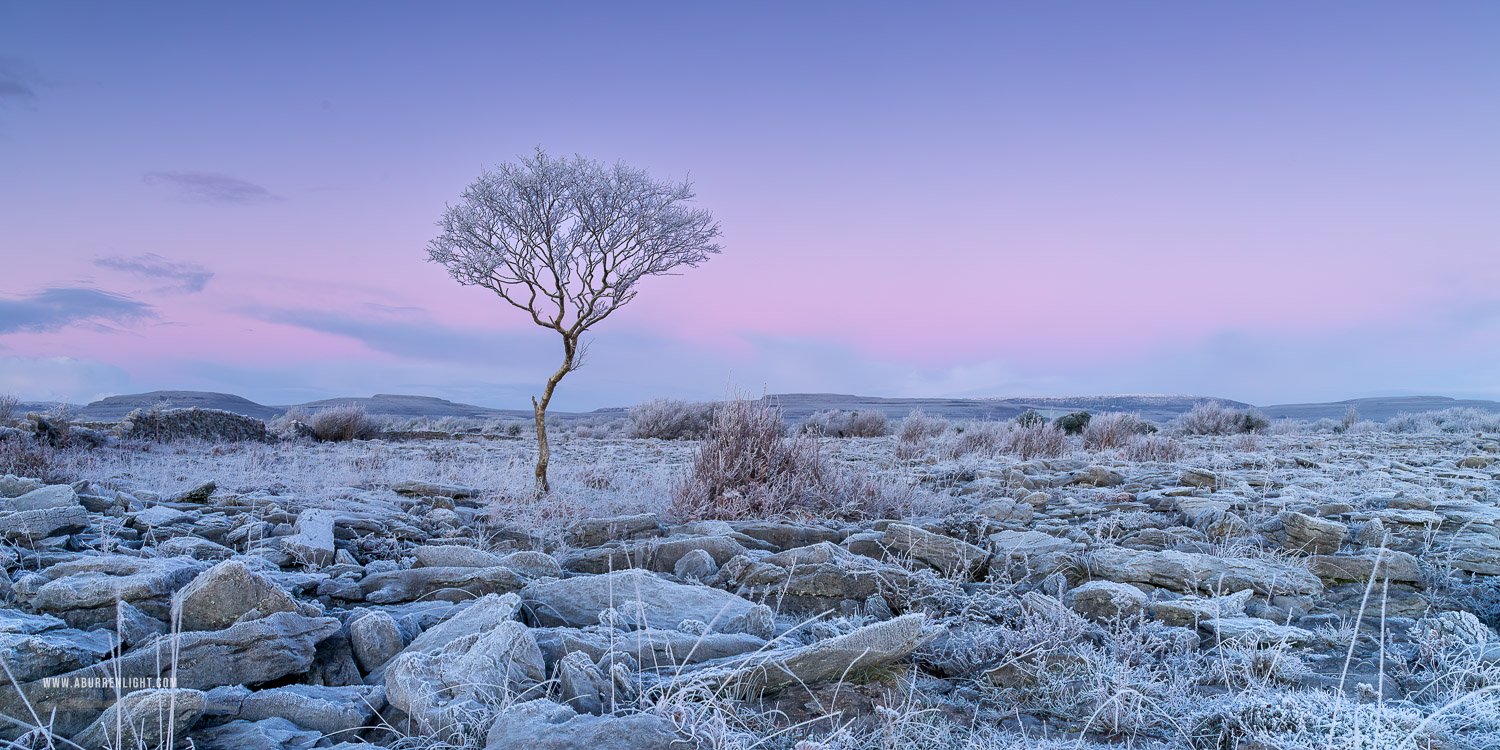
x,y
27,458
1110,431
1074,424
670,419
1155,448
748,467
1039,441
1459,420
1030,418
835,423
1214,418
8,404
333,424
916,426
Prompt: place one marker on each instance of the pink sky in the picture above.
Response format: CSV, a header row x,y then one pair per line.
x,y
1264,204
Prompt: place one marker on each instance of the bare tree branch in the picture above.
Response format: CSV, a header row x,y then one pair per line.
x,y
567,241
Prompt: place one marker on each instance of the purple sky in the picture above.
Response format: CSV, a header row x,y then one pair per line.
x,y
1263,202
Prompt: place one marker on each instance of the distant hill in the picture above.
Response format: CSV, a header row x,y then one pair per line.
x,y
1377,409
116,407
795,406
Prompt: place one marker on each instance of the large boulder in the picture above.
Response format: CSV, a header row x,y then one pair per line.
x,y
442,692
226,592
642,600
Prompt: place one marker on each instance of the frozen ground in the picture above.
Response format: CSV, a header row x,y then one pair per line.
x,y
1330,590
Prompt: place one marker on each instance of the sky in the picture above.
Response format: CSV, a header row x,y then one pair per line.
x,y
1268,202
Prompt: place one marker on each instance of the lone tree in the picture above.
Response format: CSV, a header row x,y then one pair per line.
x,y
567,241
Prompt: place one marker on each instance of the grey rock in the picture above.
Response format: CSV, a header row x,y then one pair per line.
x,y
34,656
833,659
455,556
1188,572
375,639
311,542
1315,536
1105,601
158,516
1199,478
51,496
266,734
329,710
953,557
27,526
14,486
449,584
198,494
1254,630
644,600
581,685
657,555
141,719
697,565
135,626
544,725
1392,564
592,532
197,548
22,623
441,691
651,649
223,594
413,488
101,580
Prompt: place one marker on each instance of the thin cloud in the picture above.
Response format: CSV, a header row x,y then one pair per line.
x,y
403,332
179,277
212,187
17,80
58,308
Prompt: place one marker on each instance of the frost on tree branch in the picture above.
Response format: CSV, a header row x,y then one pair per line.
x,y
567,241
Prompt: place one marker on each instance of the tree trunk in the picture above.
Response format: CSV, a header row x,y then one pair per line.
x,y
543,453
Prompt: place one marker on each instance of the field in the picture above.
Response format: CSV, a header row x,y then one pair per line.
x,y
1214,581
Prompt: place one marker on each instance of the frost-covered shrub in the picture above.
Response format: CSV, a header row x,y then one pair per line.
x,y
835,423
8,404
1162,448
342,423
916,426
1030,418
1460,420
1040,441
982,438
669,419
748,467
1108,431
1214,418
1004,438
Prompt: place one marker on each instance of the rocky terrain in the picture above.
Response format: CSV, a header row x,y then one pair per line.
x,y
1307,589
